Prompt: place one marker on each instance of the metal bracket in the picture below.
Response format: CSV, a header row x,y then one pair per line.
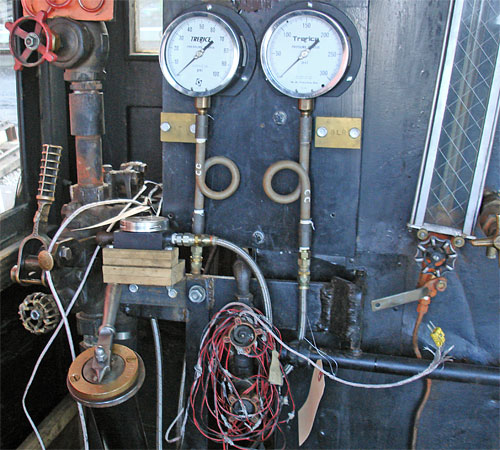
x,y
338,132
178,127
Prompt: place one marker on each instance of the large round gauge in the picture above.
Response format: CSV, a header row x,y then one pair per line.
x,y
305,53
200,53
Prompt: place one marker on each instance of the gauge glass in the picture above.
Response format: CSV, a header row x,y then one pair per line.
x,y
304,53
199,54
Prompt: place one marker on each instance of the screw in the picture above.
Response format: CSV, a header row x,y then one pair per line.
x,y
279,117
354,133
192,128
172,293
209,7
258,237
197,294
75,377
35,315
133,288
165,126
321,132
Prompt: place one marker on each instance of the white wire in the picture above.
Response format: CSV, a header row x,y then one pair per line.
x,y
64,322
439,357
47,347
159,383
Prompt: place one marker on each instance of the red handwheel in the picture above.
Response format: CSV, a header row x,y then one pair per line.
x,y
31,41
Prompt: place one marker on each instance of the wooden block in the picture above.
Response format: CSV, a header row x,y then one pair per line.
x,y
143,275
140,258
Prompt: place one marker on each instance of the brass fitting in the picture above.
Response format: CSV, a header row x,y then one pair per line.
x,y
202,104
304,273
196,259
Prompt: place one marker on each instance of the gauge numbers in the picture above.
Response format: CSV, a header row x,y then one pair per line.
x,y
304,53
199,54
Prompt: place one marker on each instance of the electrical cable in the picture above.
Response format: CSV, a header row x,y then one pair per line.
x,y
440,357
428,382
64,322
159,383
266,297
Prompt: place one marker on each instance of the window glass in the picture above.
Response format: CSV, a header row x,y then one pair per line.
x,y
10,167
147,26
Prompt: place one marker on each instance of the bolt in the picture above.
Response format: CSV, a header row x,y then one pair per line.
x,y
354,133
100,354
192,128
65,253
279,117
133,288
441,285
75,377
35,315
321,132
436,256
458,241
258,237
172,293
422,234
209,7
165,126
197,294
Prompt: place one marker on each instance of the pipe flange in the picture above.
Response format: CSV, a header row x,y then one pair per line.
x,y
121,383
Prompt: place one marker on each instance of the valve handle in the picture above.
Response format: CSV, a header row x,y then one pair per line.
x,y
23,42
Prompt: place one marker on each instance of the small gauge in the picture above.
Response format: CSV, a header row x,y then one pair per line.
x,y
305,53
200,53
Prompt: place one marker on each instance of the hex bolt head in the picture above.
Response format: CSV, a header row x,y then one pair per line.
x,y
65,253
321,132
354,133
172,293
422,234
280,117
197,294
100,354
165,126
133,288
458,241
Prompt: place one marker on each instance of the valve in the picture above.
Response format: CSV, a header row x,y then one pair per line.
x,y
31,35
436,255
38,313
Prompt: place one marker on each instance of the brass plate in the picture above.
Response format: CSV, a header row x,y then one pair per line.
x,y
85,390
179,131
337,132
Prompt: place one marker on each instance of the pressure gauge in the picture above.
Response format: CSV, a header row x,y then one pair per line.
x,y
200,53
305,53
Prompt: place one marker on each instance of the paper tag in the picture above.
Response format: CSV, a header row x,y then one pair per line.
x,y
275,375
307,413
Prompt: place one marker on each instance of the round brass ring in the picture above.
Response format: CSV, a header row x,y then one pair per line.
x,y
108,394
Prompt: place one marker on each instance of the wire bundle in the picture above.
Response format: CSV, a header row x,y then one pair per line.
x,y
239,410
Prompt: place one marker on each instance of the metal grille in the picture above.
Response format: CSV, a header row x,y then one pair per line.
x,y
465,112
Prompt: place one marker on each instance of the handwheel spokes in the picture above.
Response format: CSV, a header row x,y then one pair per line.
x,y
38,28
26,54
21,33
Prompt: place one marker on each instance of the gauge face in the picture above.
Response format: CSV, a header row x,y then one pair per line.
x,y
304,53
199,54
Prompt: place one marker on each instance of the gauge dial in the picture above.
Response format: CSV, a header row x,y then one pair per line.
x,y
304,53
200,54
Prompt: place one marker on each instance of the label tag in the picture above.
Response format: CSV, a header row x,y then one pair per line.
x,y
307,413
275,375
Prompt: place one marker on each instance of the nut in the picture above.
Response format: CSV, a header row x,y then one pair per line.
x,y
197,294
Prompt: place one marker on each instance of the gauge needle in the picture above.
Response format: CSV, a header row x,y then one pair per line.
x,y
197,55
303,54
